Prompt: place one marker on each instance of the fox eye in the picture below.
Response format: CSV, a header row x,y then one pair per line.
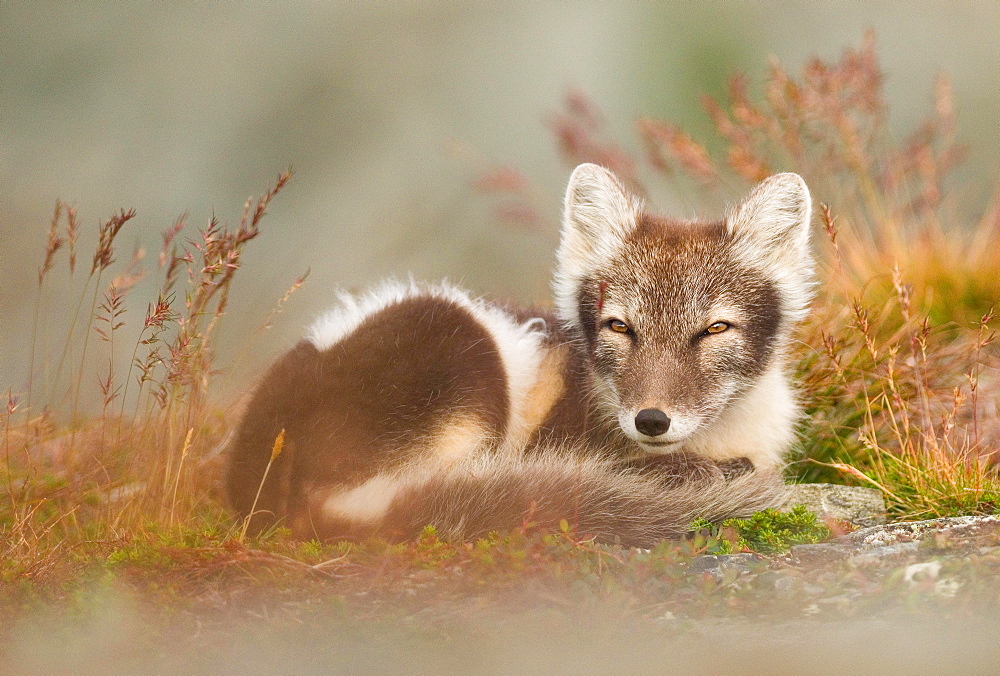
x,y
618,326
717,327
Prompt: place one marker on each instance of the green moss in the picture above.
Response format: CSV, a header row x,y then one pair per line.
x,y
311,551
766,532
144,554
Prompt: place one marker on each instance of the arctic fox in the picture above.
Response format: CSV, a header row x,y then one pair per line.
x,y
654,393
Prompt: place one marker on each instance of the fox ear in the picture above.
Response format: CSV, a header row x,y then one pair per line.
x,y
598,214
773,222
770,229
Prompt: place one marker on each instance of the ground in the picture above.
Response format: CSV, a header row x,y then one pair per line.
x,y
880,598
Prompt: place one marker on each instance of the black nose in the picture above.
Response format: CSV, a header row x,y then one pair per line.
x,y
652,422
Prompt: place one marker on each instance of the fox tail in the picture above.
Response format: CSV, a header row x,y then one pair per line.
x,y
596,497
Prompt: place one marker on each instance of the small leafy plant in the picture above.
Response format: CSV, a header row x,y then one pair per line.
x,y
767,532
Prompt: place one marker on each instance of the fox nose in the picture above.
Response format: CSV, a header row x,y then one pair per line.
x,y
652,422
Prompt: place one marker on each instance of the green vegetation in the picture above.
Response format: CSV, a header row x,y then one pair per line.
x,y
768,532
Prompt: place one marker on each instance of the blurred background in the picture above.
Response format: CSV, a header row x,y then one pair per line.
x,y
387,113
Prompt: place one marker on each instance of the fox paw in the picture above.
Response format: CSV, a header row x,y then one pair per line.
x,y
735,467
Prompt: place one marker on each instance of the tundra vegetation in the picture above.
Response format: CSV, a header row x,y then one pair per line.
x,y
897,366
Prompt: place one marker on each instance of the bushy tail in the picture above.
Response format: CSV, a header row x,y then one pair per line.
x,y
596,497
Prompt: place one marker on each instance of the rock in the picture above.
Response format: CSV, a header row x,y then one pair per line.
x,y
812,589
787,584
889,554
703,564
822,553
966,530
860,506
744,562
718,563
917,572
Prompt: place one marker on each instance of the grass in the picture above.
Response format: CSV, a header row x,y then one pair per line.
x,y
897,364
151,456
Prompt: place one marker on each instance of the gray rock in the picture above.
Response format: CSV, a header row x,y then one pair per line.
x,y
787,584
860,506
717,563
978,530
812,589
822,553
704,564
741,563
885,555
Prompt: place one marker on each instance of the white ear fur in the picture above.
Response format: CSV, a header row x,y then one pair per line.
x,y
771,229
598,214
597,210
775,216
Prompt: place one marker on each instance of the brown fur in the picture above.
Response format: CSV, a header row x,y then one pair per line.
x,y
683,267
572,417
375,399
328,402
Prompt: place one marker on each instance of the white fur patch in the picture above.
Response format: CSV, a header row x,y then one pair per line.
x,y
366,503
759,426
522,351
681,427
519,344
369,502
351,310
458,439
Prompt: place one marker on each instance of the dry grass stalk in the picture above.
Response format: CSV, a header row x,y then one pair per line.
x,y
279,445
53,243
581,137
180,469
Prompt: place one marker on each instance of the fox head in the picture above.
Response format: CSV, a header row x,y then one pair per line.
x,y
681,319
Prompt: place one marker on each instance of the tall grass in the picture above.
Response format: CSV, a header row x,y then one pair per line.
x,y
150,457
897,361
